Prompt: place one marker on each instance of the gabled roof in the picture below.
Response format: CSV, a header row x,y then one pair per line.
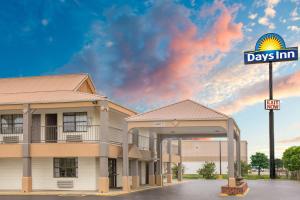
x,y
68,82
47,89
183,110
48,97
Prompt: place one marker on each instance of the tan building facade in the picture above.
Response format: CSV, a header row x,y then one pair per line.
x,y
196,153
58,133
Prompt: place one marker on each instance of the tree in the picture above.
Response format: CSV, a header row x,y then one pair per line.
x,y
175,170
208,170
291,158
259,161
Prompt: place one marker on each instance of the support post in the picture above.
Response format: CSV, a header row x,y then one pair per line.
x,y
27,171
220,157
271,126
151,162
180,160
135,174
103,181
230,144
125,178
169,163
159,177
238,156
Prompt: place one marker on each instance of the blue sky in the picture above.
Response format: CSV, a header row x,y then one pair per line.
x,y
145,54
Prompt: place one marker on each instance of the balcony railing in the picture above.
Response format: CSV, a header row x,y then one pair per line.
x,y
11,135
66,134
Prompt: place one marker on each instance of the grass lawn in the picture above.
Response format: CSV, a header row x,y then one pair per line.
x,y
224,176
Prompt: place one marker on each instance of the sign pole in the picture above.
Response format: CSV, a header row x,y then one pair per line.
x,y
271,125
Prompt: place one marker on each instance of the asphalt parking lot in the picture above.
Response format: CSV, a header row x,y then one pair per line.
x,y
194,190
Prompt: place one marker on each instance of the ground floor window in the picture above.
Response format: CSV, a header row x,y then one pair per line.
x,y
65,167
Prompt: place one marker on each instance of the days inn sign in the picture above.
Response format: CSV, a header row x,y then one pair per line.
x,y
270,48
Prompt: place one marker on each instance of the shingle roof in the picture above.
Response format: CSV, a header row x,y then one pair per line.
x,y
183,110
67,82
47,97
44,89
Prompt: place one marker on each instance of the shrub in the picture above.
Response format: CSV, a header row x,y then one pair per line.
x,y
175,170
208,170
291,158
245,168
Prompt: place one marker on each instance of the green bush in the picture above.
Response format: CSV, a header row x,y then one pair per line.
x,y
291,158
245,168
208,170
175,170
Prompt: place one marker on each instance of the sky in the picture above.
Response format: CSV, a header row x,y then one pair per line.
x,y
146,54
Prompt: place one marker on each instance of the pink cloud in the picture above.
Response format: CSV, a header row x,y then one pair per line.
x,y
178,76
287,86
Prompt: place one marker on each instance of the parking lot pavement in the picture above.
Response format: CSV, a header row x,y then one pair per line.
x,y
194,190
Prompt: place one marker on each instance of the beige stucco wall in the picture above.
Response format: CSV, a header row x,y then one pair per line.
x,y
193,150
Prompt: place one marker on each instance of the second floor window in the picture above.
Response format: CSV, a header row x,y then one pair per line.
x,y
75,122
12,124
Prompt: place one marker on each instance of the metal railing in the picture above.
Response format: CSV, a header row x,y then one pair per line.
x,y
66,134
10,135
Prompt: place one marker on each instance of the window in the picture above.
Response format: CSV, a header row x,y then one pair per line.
x,y
75,122
65,167
11,124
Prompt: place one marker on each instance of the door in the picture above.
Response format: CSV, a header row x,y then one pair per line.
x,y
51,128
36,128
147,173
112,172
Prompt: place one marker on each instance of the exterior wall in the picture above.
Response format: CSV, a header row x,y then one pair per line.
x,y
116,120
193,151
10,174
43,179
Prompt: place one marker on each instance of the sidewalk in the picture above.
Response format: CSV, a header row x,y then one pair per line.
x,y
112,192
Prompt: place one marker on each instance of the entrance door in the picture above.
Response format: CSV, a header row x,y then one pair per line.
x,y
112,172
147,173
36,128
51,128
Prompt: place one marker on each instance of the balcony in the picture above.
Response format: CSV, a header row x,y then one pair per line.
x,y
11,135
63,134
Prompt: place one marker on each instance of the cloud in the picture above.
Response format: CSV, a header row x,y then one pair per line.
x,y
290,140
294,28
294,15
44,22
287,86
252,16
270,12
162,54
265,21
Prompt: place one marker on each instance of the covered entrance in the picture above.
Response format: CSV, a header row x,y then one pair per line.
x,y
188,119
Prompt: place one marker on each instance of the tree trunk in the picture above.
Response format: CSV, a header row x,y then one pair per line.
x,y
259,171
